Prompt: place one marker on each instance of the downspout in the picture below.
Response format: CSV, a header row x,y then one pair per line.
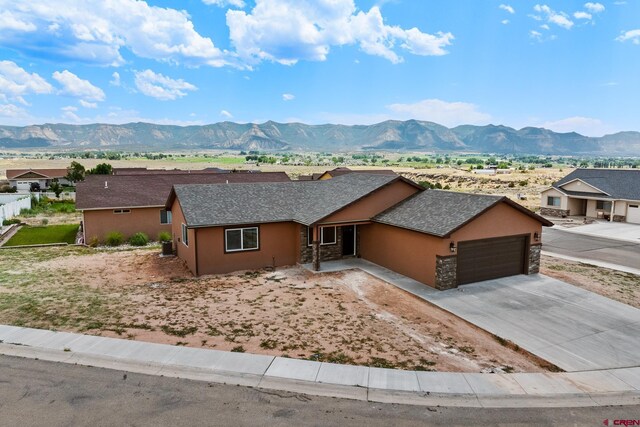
x,y
195,248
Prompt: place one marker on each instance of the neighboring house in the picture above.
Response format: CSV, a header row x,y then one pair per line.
x,y
442,239
135,203
342,171
22,178
611,194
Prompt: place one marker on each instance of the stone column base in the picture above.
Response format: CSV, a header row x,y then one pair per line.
x,y
446,272
534,258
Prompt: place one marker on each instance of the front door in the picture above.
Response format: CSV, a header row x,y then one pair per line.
x,y
348,240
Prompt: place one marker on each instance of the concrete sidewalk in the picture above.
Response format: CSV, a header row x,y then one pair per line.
x,y
619,231
593,388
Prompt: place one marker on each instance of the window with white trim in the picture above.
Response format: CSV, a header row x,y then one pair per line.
x,y
165,216
553,201
241,239
121,211
328,235
185,235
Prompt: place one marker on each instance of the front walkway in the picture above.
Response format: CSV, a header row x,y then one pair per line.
x,y
403,282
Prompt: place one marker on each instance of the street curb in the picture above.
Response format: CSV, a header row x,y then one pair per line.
x,y
602,264
486,390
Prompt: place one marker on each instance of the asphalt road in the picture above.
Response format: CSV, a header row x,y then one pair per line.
x,y
589,247
38,393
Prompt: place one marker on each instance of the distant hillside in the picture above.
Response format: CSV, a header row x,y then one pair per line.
x,y
410,135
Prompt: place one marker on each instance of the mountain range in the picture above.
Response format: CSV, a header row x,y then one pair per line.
x,y
410,135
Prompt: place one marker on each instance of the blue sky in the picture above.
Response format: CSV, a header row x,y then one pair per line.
x,y
564,65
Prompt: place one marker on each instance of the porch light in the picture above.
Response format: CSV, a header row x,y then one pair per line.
x,y
536,236
452,247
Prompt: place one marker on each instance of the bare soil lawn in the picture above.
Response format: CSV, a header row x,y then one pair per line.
x,y
347,317
617,285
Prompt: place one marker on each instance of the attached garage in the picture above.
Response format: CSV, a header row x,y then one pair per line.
x,y
633,213
445,239
487,259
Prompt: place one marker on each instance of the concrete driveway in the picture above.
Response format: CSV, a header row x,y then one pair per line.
x,y
608,230
572,328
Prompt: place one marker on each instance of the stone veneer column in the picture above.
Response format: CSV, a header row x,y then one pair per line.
x,y
554,212
446,272
534,258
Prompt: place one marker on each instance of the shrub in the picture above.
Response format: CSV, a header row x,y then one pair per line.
x,y
11,221
164,236
93,242
511,184
138,239
114,239
45,221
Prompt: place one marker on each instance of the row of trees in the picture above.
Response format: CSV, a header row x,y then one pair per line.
x,y
76,172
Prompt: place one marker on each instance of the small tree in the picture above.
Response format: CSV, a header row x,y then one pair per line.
x,y
56,188
75,172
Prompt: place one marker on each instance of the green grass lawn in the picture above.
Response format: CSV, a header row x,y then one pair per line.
x,y
28,235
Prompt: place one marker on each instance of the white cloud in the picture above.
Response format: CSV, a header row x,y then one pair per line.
x,y
582,15
161,87
87,104
558,18
75,86
226,114
16,82
545,27
95,31
582,125
594,7
507,8
9,22
115,79
12,111
441,112
288,97
225,3
633,35
504,21
287,31
535,35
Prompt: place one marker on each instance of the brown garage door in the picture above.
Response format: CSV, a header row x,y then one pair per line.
x,y
490,258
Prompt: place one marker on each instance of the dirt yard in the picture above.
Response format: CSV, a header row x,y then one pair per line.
x,y
347,317
617,285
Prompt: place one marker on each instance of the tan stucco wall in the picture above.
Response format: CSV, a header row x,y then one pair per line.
x,y
278,244
187,253
552,192
580,186
575,206
413,254
620,208
100,222
374,203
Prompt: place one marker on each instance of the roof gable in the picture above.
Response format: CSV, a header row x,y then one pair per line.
x,y
305,202
616,183
440,213
43,173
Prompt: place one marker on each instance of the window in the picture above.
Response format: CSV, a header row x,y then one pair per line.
x,y
553,201
121,211
328,235
185,235
165,217
241,239
602,205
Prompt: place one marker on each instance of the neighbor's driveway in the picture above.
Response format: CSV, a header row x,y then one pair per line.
x,y
572,328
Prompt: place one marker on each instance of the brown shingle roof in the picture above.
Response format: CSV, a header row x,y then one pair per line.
x,y
125,191
343,171
145,171
48,173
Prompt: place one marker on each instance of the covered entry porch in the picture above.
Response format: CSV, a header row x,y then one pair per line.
x,y
323,243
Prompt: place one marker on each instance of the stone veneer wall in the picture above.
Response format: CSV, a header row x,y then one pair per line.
x,y
534,258
554,212
327,252
619,218
446,272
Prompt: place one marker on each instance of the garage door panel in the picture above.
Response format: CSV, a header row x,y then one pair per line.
x,y
633,214
480,260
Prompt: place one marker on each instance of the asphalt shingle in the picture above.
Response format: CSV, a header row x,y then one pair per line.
x,y
618,183
437,212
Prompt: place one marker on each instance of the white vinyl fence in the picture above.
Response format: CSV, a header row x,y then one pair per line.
x,y
12,204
